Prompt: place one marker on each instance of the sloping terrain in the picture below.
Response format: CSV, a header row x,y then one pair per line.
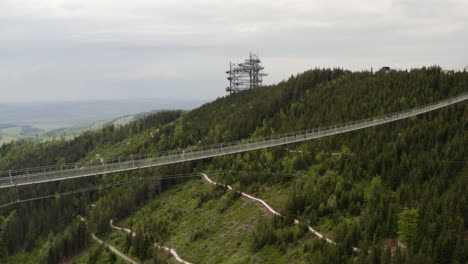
x,y
402,181
209,225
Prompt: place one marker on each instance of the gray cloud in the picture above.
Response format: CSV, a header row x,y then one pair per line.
x,y
56,50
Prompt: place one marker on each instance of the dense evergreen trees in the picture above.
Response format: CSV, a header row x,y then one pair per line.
x,y
21,228
74,239
359,183
355,186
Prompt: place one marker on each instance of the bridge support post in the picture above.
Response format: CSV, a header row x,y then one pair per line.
x,y
11,179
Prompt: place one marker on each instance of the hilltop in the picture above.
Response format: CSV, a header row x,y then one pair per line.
x,y
400,182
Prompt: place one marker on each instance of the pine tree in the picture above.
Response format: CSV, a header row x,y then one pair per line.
x,y
408,225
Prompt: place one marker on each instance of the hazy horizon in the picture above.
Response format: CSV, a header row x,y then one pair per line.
x,y
64,113
78,50
86,100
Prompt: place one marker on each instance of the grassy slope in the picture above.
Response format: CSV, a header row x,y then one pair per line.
x,y
225,236
277,194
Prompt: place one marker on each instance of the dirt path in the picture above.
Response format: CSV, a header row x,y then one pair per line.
x,y
122,229
270,209
170,250
113,249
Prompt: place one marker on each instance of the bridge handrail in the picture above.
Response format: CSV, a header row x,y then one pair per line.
x,y
13,174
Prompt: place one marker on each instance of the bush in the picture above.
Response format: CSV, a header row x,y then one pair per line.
x,y
214,192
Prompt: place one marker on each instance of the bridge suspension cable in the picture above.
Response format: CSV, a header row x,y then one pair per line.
x,y
140,179
77,170
101,186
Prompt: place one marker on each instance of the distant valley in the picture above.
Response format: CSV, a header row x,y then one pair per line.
x,y
40,121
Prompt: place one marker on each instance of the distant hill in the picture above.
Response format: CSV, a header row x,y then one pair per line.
x,y
47,115
40,121
75,130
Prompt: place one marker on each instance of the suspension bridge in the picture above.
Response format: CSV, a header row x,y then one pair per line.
x,y
12,178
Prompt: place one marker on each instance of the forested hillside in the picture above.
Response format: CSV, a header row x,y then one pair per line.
x,y
401,183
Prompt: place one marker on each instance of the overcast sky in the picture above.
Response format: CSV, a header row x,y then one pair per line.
x,y
108,49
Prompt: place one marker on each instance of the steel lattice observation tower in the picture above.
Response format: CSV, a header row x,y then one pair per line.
x,y
246,75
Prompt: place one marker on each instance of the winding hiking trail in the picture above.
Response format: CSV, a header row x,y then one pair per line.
x,y
270,209
122,255
170,250
111,248
175,254
122,229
